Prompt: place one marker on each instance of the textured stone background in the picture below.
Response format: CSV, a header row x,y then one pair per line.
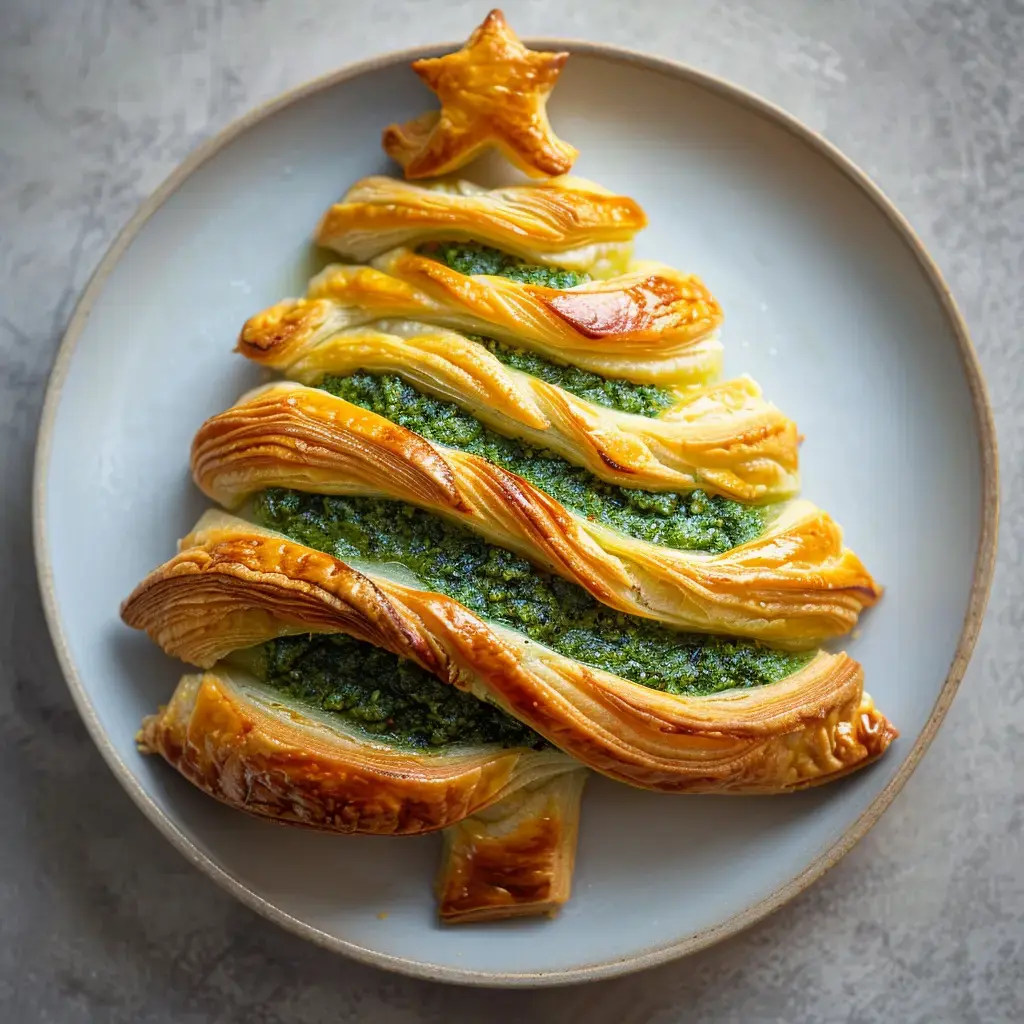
x,y
100,919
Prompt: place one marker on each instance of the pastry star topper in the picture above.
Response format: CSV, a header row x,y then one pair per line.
x,y
493,92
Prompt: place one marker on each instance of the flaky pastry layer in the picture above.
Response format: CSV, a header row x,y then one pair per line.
x,y
652,325
795,585
514,858
564,222
234,585
493,93
261,754
725,438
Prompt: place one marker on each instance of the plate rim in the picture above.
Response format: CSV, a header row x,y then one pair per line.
x,y
984,562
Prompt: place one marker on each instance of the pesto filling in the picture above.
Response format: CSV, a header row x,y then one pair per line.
x,y
383,695
472,258
501,586
615,393
688,522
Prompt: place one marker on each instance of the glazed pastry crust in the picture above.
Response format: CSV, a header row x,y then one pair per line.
x,y
795,585
280,761
509,817
514,859
652,325
234,585
724,438
565,222
493,92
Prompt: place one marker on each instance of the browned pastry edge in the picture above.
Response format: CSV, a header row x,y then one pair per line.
x,y
652,325
276,761
724,438
235,585
652,308
516,858
565,221
795,585
493,92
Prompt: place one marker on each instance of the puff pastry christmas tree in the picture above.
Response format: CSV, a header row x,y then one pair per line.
x,y
499,523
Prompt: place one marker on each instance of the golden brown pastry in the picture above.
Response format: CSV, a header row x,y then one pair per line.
x,y
514,858
514,486
234,585
794,585
724,438
652,325
261,751
493,92
566,222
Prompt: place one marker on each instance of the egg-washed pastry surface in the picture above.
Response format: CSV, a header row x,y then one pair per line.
x,y
333,733
782,574
330,733
651,325
493,92
566,222
665,710
724,438
500,522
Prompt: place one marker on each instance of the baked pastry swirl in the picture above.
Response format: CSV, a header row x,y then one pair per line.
x,y
235,585
652,325
724,438
795,584
275,754
256,747
565,222
500,524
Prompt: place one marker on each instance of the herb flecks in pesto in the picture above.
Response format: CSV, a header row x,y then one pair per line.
x,y
688,522
386,696
624,395
472,258
501,586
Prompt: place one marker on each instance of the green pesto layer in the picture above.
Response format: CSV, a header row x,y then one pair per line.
x,y
388,697
472,258
612,392
501,586
688,522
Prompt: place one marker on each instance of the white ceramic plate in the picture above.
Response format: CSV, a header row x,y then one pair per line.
x,y
830,303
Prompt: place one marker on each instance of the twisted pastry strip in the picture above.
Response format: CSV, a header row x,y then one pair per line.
x,y
652,326
514,858
794,585
725,438
234,585
565,222
256,750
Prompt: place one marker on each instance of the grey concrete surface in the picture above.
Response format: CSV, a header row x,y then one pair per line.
x,y
100,919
